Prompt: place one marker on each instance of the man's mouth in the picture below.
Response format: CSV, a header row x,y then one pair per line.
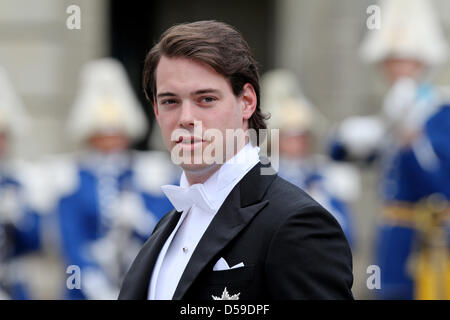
x,y
189,140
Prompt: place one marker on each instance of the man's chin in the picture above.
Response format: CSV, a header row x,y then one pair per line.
x,y
198,167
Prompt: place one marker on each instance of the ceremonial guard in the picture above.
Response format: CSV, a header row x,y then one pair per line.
x,y
410,139
111,198
334,185
19,222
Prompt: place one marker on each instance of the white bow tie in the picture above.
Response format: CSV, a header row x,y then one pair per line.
x,y
184,198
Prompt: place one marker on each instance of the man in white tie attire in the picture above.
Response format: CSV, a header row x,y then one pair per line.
x,y
236,232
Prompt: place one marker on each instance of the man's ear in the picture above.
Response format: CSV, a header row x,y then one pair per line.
x,y
155,108
249,101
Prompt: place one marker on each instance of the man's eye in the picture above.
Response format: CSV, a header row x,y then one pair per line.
x,y
168,102
208,99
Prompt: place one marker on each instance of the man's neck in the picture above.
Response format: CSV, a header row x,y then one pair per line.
x,y
200,176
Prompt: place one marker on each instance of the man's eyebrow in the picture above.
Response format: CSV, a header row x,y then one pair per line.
x,y
201,91
165,94
208,90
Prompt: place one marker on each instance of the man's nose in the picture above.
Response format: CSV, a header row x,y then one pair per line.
x,y
187,117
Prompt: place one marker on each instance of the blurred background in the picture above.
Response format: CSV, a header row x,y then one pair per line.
x,y
53,169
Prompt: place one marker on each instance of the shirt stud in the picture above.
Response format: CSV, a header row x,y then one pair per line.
x,y
185,249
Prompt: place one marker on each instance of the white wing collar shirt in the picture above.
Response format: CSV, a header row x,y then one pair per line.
x,y
199,204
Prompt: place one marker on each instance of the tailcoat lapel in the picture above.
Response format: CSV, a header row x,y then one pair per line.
x,y
138,277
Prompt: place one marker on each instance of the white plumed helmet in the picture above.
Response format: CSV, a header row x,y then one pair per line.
x,y
409,29
106,102
292,115
282,97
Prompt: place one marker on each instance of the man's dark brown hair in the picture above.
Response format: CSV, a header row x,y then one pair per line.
x,y
216,44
